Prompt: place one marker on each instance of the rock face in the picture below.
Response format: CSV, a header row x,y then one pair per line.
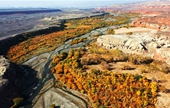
x,y
150,44
159,23
15,81
4,64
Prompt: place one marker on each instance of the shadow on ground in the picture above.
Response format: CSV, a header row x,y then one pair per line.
x,y
22,82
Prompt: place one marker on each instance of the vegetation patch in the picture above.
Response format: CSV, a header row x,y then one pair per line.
x,y
154,67
17,102
39,44
111,31
129,33
104,88
76,41
137,59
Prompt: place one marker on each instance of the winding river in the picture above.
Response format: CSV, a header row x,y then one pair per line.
x,y
45,87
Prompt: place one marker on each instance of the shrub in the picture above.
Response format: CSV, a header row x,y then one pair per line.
x,y
56,60
97,35
77,54
108,58
76,41
136,59
96,71
127,26
93,59
63,55
17,102
111,31
84,61
116,53
155,66
97,50
52,106
84,67
126,67
163,67
129,33
104,65
70,54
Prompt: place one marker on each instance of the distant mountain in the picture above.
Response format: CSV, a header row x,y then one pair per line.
x,y
163,0
140,7
27,11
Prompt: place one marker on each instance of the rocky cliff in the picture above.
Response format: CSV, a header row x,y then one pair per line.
x,y
154,45
15,81
4,64
159,22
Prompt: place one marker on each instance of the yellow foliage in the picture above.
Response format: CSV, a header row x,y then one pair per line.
x,y
105,87
138,93
153,86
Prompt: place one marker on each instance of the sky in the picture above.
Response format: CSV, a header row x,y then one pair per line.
x,y
62,3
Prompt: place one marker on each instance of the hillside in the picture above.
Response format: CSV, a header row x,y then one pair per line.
x,y
140,7
154,14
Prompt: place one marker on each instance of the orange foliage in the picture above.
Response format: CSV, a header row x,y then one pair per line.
x,y
44,43
105,88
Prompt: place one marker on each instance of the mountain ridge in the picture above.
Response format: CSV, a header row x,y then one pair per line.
x,y
152,5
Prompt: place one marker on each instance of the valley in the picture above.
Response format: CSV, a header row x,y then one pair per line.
x,y
110,57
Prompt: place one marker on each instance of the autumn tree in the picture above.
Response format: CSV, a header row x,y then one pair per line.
x,y
111,31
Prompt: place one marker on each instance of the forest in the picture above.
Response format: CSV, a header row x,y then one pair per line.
x,y
105,88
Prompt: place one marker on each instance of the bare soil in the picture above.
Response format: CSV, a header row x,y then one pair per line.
x,y
133,30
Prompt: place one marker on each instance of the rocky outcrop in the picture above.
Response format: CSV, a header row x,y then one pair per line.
x,y
4,64
146,44
159,23
128,44
15,81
